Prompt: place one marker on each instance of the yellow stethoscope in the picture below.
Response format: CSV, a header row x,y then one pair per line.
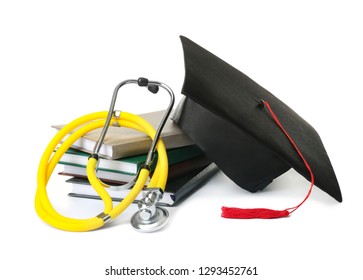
x,y
149,217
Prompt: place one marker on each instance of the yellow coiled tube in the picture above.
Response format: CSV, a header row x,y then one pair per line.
x,y
50,159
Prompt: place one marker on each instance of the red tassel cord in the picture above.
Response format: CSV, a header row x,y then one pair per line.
x,y
263,213
254,213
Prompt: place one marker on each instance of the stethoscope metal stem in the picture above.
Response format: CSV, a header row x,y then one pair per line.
x,y
141,82
98,145
152,150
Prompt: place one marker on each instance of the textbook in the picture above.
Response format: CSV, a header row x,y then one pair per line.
x,y
118,177
177,189
123,142
128,165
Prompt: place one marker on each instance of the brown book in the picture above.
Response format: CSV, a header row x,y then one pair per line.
x,y
123,142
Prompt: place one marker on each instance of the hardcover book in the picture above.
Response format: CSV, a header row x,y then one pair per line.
x,y
118,177
128,165
176,191
123,142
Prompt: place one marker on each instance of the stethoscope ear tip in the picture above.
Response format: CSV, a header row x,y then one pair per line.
x,y
146,222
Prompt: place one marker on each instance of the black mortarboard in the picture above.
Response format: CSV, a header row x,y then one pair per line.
x,y
222,113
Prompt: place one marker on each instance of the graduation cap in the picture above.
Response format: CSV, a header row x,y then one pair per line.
x,y
250,134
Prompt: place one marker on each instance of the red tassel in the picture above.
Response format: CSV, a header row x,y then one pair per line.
x,y
254,213
263,213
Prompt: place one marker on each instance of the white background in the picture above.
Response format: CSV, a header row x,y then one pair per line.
x,y
62,59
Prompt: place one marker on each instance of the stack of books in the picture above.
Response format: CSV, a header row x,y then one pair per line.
x,y
125,150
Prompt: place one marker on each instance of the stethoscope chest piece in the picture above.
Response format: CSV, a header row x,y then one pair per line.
x,y
154,223
150,217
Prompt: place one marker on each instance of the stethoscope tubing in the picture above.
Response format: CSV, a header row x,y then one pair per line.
x,y
52,155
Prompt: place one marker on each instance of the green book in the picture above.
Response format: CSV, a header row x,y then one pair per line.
x,y
128,165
